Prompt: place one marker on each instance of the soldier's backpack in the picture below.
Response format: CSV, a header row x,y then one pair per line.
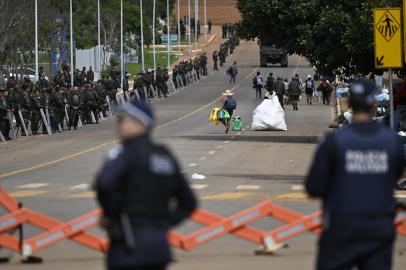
x,y
294,87
270,82
75,100
279,87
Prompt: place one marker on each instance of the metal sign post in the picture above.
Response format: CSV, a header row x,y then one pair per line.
x,y
388,46
392,117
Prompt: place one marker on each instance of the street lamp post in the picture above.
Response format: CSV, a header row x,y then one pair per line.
x,y
71,43
142,35
206,28
189,28
153,34
168,33
196,19
121,45
179,27
99,64
36,40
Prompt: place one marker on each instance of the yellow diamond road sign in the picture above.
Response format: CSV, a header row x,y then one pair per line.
x,y
388,38
388,26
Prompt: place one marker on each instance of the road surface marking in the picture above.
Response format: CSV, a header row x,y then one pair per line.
x,y
52,162
192,165
80,187
226,142
202,158
297,187
196,186
227,196
248,187
33,185
220,146
97,147
27,193
88,194
212,152
298,196
205,106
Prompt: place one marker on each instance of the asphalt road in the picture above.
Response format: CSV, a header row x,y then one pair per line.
x,y
54,174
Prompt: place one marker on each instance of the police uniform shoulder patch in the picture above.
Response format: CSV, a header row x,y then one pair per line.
x,y
114,153
161,164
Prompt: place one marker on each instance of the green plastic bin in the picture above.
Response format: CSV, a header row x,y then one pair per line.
x,y
237,123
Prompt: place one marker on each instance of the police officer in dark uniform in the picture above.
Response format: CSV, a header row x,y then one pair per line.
x,y
215,61
35,105
355,172
4,110
75,102
142,193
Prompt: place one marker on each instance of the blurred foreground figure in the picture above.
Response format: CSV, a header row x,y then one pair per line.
x,y
355,172
142,193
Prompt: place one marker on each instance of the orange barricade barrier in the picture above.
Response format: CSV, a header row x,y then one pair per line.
x,y
215,227
55,230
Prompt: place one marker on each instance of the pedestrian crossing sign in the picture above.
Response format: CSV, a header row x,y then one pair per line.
x,y
388,38
388,26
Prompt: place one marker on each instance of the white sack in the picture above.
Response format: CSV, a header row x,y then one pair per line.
x,y
269,115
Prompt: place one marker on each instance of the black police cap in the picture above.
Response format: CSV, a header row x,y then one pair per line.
x,y
362,92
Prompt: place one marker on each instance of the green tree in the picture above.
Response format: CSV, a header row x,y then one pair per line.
x,y
334,36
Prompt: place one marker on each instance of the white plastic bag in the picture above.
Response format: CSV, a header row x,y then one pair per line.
x,y
269,115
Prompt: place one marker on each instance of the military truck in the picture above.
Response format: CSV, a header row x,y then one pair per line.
x,y
272,54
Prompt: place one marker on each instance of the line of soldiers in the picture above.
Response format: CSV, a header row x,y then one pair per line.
x,y
146,86
227,30
226,48
182,73
51,107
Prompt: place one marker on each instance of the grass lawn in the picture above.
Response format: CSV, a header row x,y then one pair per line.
x,y
161,60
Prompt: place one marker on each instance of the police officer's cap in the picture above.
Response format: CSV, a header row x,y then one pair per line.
x,y
362,93
139,110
